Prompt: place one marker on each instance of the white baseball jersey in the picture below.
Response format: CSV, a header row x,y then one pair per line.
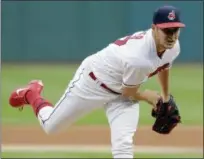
x,y
131,60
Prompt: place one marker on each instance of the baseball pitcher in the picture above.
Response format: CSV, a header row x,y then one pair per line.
x,y
111,78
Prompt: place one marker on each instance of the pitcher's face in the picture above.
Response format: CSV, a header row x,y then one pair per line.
x,y
167,37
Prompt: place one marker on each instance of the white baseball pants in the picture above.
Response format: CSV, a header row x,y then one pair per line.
x,y
84,95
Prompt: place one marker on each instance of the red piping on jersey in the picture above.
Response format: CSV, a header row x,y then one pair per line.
x,y
166,65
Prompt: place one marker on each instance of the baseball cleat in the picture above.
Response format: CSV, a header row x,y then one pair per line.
x,y
17,98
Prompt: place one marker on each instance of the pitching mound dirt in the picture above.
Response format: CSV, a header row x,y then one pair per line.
x,y
191,136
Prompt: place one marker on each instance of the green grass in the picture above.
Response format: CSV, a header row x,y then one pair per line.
x,y
186,86
93,155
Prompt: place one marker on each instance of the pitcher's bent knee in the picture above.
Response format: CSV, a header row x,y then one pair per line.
x,y
49,126
50,130
52,127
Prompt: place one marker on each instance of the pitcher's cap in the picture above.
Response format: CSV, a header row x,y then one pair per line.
x,y
167,17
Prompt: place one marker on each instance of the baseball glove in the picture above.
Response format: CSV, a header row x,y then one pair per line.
x,y
167,116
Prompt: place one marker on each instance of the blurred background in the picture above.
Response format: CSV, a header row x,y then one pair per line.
x,y
48,39
70,31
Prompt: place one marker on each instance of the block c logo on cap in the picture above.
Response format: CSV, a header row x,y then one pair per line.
x,y
171,15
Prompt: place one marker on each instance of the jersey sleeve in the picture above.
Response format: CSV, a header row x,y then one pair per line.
x,y
134,74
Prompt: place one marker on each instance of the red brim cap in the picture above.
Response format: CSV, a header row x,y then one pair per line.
x,y
171,25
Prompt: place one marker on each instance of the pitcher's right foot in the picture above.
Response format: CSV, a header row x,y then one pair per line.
x,y
18,99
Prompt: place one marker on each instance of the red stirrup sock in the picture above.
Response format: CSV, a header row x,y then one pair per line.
x,y
36,101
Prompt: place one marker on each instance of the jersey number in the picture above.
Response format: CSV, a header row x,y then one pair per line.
x,y
124,40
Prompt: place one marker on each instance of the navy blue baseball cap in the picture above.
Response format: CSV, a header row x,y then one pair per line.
x,y
167,17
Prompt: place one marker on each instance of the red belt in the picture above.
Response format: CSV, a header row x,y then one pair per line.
x,y
91,74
